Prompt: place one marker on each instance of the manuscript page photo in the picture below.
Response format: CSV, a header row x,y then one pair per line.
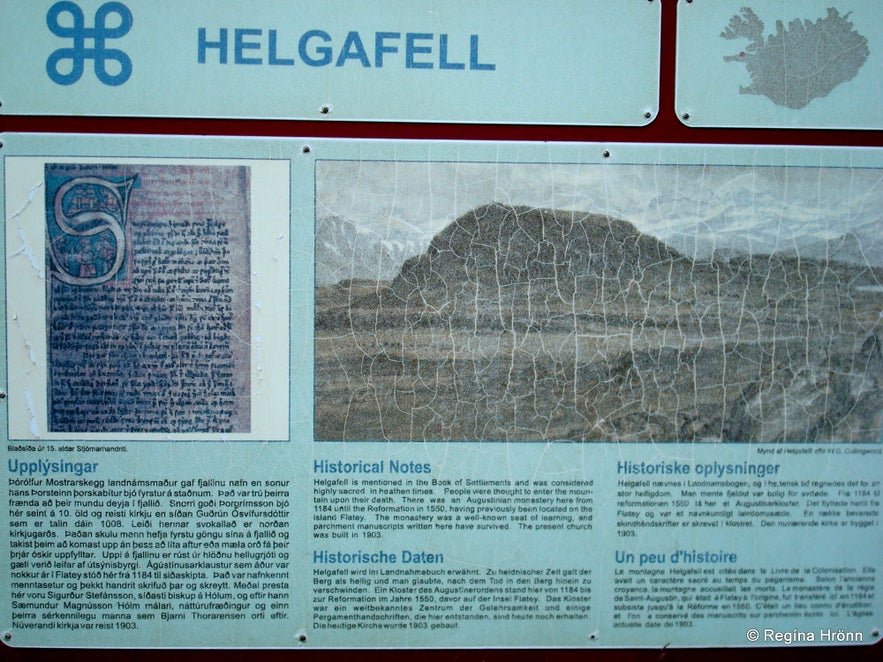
x,y
306,393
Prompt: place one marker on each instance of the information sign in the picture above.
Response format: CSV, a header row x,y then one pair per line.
x,y
517,61
328,393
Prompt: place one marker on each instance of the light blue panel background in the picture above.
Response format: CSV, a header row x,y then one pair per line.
x,y
707,88
293,459
569,62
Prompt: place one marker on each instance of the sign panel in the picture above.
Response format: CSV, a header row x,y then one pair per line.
x,y
315,393
501,62
811,64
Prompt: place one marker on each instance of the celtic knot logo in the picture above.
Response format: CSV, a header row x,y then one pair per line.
x,y
74,27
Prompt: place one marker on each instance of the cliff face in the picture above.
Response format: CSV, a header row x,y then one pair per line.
x,y
784,67
498,251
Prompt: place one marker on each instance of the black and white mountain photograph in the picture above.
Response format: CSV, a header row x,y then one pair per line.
x,y
461,301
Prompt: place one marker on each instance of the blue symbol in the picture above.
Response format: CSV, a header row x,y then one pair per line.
x,y
76,29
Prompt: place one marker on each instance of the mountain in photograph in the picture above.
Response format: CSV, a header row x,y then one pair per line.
x,y
527,324
501,256
745,220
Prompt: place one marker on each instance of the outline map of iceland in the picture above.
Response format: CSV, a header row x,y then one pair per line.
x,y
806,61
